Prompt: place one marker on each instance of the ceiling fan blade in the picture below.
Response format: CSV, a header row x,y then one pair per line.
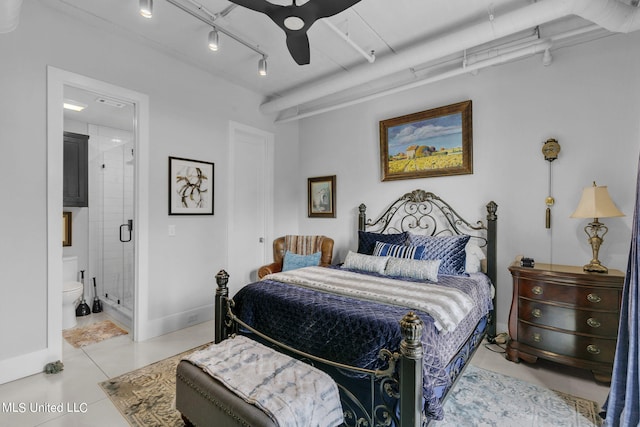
x,y
298,44
326,8
257,5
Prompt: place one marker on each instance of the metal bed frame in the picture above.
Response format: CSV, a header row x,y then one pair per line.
x,y
415,211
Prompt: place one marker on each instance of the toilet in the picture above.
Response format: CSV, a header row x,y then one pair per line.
x,y
71,291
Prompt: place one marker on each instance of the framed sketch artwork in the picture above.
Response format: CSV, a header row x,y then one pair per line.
x,y
322,197
430,143
190,187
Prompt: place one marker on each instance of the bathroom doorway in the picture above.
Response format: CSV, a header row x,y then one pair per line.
x,y
103,230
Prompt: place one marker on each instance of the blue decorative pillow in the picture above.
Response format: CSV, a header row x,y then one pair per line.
x,y
293,261
367,241
398,251
363,262
450,250
413,268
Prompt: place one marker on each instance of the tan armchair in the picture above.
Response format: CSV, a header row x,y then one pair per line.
x,y
301,245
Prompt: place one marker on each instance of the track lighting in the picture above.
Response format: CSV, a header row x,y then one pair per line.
x,y
213,40
262,66
146,8
546,58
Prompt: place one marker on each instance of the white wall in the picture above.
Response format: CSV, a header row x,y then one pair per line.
x,y
189,115
588,99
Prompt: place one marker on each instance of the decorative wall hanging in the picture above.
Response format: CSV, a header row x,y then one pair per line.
x,y
66,228
322,197
190,187
550,151
430,143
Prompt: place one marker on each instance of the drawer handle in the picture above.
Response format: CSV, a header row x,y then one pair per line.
x,y
593,349
537,337
536,313
594,298
537,290
593,322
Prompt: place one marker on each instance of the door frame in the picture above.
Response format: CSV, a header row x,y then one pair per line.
x,y
268,138
56,80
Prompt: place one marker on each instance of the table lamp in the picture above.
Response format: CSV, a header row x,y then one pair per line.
x,y
596,203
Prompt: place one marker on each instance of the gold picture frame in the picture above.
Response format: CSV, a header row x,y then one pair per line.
x,y
426,144
66,228
321,194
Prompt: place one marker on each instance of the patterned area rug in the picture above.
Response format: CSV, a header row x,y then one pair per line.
x,y
484,398
96,332
145,397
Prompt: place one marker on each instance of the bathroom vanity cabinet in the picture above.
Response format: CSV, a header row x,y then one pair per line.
x,y
76,170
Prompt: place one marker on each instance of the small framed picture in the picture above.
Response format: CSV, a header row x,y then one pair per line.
x,y
190,187
322,197
66,228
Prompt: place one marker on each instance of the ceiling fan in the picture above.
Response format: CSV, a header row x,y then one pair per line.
x,y
295,20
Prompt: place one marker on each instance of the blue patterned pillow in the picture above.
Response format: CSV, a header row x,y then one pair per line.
x,y
398,251
293,261
363,262
413,268
448,249
367,241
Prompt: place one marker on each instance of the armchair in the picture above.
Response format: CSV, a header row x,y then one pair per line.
x,y
301,245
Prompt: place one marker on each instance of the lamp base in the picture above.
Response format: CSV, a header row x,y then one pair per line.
x,y
593,267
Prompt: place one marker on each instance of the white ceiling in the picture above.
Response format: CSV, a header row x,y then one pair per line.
x,y
413,40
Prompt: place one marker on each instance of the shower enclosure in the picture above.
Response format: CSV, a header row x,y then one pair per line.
x,y
111,198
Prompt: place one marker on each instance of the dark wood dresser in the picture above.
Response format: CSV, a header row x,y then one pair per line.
x,y
566,315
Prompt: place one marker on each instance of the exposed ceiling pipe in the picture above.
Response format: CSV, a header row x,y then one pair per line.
x,y
509,55
9,15
369,56
609,14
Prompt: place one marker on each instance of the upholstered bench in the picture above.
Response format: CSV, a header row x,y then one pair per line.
x,y
240,382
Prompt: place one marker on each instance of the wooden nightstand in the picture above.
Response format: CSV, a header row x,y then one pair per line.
x,y
566,315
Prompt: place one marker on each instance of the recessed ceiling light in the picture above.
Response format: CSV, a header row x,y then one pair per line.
x,y
110,102
72,105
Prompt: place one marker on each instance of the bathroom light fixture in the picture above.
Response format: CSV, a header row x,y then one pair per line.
x,y
213,40
72,105
596,203
146,8
262,66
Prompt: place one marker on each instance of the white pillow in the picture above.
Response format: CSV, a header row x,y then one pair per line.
x,y
413,268
362,262
474,257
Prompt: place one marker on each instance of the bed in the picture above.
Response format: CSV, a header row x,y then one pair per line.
x,y
394,342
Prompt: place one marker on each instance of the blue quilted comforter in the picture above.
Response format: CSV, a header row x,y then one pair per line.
x,y
352,331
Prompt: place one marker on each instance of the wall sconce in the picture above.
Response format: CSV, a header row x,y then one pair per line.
x,y
596,203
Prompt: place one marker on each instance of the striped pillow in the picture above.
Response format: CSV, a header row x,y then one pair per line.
x,y
398,251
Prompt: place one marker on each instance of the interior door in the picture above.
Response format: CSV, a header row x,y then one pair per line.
x,y
251,152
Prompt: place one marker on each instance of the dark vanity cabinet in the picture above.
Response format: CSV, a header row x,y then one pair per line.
x,y
76,170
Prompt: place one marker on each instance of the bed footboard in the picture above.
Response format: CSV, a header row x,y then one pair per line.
x,y
408,383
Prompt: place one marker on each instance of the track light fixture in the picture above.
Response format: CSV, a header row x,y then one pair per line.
x,y
213,40
262,66
146,8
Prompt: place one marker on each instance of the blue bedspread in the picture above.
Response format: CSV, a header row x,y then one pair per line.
x,y
352,331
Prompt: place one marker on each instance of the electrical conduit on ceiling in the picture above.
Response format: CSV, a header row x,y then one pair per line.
x,y
609,14
9,15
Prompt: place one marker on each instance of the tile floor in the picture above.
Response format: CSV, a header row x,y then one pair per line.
x,y
85,404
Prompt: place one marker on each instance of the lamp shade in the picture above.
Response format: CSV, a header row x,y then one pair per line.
x,y
596,203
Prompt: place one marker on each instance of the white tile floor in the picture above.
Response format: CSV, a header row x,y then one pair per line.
x,y
77,389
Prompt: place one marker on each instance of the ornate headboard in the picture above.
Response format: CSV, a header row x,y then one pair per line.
x,y
424,212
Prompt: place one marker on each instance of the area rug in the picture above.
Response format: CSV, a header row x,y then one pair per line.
x,y
91,334
485,398
145,397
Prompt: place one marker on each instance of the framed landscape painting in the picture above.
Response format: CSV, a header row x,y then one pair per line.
x,y
430,143
190,187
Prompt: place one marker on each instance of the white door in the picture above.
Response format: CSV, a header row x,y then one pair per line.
x,y
251,203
